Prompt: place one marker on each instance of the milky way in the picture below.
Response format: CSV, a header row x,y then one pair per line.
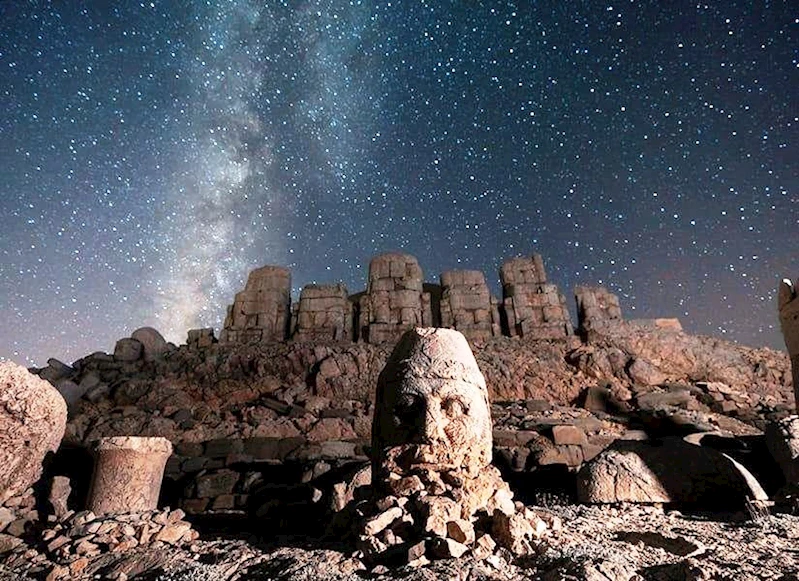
x,y
152,155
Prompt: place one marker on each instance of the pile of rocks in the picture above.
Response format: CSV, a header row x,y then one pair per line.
x,y
426,514
532,307
261,312
18,513
467,305
72,542
395,300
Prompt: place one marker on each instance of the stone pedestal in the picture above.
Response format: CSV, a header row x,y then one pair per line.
x,y
127,474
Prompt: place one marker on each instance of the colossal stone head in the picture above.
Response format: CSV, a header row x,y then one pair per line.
x,y
431,407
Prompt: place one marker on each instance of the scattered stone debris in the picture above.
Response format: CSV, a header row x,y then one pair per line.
x,y
64,548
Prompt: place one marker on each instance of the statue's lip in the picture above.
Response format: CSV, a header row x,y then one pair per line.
x,y
408,469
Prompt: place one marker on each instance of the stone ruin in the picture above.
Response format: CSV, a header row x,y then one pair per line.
x,y
597,308
435,493
395,299
324,312
262,311
788,306
467,305
128,471
121,509
533,307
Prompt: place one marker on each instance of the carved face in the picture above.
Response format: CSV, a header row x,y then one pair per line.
x,y
432,406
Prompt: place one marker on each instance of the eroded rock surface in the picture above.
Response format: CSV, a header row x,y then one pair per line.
x,y
669,470
788,307
33,416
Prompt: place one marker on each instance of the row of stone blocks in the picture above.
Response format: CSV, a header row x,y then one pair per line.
x,y
397,299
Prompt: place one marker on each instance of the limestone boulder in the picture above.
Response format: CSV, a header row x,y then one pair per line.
x,y
666,470
153,343
33,417
642,372
128,350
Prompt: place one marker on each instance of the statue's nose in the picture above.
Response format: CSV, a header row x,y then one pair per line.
x,y
432,428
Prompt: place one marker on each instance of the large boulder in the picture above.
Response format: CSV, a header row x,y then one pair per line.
x,y
33,416
128,350
666,470
782,440
153,343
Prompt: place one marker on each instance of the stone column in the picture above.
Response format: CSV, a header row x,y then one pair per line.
x,y
262,311
532,307
597,308
127,474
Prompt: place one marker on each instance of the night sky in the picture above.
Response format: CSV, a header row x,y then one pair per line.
x,y
153,153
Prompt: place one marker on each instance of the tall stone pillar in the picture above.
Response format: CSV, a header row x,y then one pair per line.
x,y
262,311
395,300
788,305
597,308
532,307
128,471
466,304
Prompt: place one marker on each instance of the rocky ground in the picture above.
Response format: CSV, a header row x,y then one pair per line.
x,y
266,435
595,543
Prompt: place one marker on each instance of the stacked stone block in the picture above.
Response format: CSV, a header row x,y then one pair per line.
x,y
533,308
261,312
323,313
394,301
198,338
597,308
467,304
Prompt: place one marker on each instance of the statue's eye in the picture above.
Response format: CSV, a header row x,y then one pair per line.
x,y
454,407
407,409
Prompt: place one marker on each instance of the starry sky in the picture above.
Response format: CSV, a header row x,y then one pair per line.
x,y
153,153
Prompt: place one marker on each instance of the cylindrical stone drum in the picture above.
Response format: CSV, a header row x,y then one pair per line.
x,y
128,471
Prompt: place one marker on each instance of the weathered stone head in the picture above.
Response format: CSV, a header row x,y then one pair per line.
x,y
431,408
